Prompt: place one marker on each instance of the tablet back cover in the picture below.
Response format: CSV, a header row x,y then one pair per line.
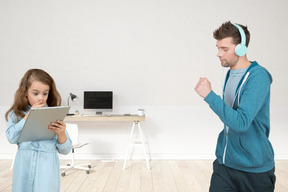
x,y
36,125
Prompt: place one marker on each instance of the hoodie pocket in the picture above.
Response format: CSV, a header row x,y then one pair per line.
x,y
242,147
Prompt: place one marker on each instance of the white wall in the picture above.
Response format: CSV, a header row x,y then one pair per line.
x,y
151,54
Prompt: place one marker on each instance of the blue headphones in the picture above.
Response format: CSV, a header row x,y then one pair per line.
x,y
241,48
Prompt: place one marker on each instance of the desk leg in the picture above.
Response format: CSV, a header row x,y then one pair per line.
x,y
143,145
129,145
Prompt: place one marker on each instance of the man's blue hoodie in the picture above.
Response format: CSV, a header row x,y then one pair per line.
x,y
243,144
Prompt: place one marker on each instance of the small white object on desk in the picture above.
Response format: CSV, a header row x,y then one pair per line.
x,y
141,112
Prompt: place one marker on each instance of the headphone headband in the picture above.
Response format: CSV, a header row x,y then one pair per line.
x,y
241,48
242,34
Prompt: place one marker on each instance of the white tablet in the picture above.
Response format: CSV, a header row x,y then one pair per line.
x,y
37,122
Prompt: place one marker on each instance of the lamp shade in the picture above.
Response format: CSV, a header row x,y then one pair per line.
x,y
73,97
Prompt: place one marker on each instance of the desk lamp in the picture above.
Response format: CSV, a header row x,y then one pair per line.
x,y
73,98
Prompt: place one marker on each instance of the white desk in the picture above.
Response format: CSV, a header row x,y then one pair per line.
x,y
108,118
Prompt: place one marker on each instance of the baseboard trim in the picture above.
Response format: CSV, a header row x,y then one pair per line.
x,y
158,156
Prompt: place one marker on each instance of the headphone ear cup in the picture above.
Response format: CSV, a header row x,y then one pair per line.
x,y
240,50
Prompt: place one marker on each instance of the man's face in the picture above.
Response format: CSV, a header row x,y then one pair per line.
x,y
226,52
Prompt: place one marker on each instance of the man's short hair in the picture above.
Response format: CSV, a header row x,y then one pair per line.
x,y
227,29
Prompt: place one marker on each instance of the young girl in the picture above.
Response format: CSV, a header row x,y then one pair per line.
x,y
36,166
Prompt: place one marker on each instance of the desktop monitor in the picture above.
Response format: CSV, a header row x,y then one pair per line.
x,y
98,100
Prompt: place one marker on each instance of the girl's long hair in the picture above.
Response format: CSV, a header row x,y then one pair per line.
x,y
21,101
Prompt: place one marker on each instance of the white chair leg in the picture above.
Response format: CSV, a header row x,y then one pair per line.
x,y
72,129
72,165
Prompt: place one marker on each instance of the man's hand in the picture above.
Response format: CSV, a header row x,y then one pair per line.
x,y
203,87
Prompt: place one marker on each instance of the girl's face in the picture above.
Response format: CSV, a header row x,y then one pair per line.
x,y
38,93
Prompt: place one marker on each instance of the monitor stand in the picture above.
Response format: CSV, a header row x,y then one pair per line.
x,y
99,113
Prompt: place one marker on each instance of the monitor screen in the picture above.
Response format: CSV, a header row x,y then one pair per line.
x,y
98,99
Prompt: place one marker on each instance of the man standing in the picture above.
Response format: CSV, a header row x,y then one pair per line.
x,y
245,156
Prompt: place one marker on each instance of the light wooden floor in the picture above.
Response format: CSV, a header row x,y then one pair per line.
x,y
164,176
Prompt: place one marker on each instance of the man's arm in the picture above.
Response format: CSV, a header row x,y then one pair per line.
x,y
253,95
